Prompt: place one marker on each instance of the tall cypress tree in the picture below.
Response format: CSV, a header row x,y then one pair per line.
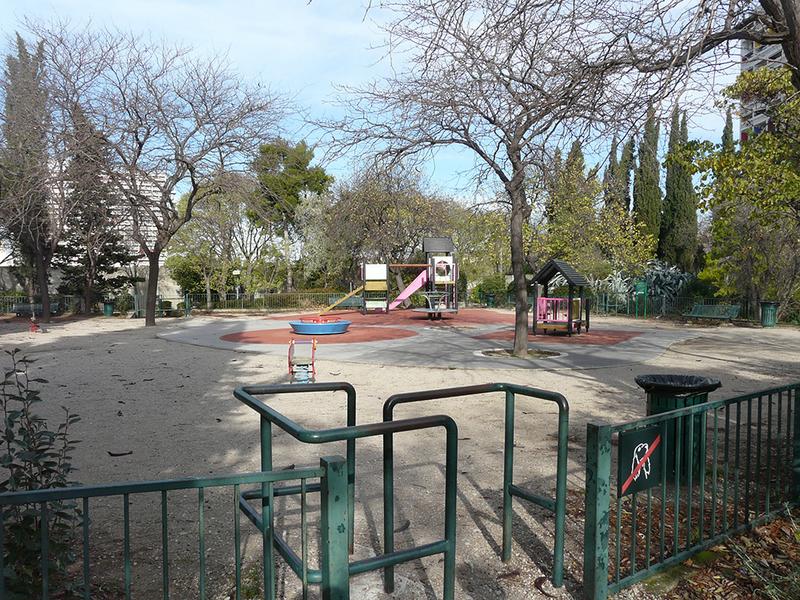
x,y
646,190
24,171
688,210
610,177
677,243
624,169
727,133
669,235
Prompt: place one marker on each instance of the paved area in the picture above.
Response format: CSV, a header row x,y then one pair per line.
x,y
410,340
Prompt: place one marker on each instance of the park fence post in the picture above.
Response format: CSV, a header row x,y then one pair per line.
x,y
598,498
795,496
335,525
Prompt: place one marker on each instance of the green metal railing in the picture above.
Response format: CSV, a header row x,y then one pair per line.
x,y
734,464
59,303
350,433
333,572
267,302
643,306
510,490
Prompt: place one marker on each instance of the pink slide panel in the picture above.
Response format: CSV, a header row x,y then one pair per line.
x,y
421,280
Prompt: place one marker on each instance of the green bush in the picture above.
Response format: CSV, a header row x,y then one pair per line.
x,y
496,284
33,456
124,303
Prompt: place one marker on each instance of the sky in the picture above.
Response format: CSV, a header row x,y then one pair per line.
x,y
299,48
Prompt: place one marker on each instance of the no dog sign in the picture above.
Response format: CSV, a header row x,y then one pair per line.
x,y
639,460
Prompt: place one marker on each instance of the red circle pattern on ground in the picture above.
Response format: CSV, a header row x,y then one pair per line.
x,y
354,335
465,316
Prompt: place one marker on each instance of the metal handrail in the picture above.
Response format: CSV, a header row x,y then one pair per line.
x,y
557,505
445,546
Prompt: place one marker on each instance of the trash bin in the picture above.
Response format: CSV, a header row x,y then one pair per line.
x,y
670,392
769,314
490,298
108,309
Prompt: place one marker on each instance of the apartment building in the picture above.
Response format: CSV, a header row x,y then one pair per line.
x,y
753,115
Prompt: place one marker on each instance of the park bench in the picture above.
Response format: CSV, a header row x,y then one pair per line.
x,y
24,309
726,312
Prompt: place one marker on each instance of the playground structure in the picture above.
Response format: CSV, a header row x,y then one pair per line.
x,y
568,314
436,282
301,355
333,555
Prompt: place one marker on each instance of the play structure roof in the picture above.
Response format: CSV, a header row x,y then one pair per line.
x,y
555,266
434,245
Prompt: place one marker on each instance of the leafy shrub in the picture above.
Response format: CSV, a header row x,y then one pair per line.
x,y
34,457
665,280
124,303
496,285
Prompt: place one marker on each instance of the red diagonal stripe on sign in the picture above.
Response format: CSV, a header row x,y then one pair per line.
x,y
640,464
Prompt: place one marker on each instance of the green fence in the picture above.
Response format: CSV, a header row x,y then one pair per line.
x,y
332,478
265,302
733,464
59,303
641,306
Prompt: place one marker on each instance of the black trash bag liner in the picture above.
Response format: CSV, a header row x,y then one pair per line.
x,y
678,384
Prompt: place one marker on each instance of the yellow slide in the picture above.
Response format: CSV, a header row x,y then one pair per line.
x,y
340,300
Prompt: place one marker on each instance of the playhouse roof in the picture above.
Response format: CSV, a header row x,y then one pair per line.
x,y
554,266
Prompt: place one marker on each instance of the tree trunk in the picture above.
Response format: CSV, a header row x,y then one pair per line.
x,y
41,278
518,216
209,303
88,288
87,299
287,255
152,288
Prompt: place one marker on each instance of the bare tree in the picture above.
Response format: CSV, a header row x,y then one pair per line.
x,y
665,35
508,80
172,120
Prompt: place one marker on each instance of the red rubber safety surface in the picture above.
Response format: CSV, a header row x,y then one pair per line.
x,y
465,316
598,337
353,336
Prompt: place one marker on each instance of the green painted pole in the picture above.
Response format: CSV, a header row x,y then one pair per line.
x,y
334,525
267,558
508,475
388,508
561,498
796,450
351,466
450,488
598,497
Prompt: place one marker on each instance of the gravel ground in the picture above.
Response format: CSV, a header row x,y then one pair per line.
x,y
171,406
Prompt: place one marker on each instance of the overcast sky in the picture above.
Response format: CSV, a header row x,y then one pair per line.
x,y
298,48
